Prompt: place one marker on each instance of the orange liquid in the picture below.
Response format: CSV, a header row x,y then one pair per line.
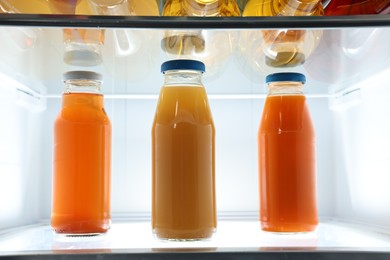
x,y
287,166
82,163
183,137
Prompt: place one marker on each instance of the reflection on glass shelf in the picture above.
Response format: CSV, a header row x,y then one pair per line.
x,y
230,235
131,59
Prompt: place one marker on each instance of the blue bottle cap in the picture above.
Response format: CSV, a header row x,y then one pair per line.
x,y
286,76
183,65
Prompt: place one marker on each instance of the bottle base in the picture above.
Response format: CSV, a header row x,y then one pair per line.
x,y
183,235
76,235
81,228
288,229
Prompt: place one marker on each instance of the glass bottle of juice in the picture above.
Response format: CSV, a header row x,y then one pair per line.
x,y
356,7
285,48
183,160
213,48
287,164
82,158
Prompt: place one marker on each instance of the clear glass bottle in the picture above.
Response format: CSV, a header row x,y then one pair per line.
x,y
287,163
82,158
183,156
282,48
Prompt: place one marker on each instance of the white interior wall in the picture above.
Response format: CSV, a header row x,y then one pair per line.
x,y
362,154
20,157
236,122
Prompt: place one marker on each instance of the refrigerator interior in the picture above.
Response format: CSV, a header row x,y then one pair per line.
x,y
347,91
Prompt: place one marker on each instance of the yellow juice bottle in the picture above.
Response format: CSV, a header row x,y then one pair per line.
x,y
183,156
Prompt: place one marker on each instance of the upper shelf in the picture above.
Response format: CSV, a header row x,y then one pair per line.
x,y
158,22
349,50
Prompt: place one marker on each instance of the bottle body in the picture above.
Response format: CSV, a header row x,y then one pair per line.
x,y
287,169
183,164
357,7
82,166
285,48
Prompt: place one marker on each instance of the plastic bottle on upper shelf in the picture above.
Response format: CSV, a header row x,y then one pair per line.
x,y
356,7
211,47
82,46
126,41
281,48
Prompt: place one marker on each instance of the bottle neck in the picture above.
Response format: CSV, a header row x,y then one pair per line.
x,y
85,93
83,86
182,78
285,88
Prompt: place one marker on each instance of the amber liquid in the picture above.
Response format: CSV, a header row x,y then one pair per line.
x,y
24,6
82,166
183,137
287,181
145,7
286,48
187,42
63,6
356,7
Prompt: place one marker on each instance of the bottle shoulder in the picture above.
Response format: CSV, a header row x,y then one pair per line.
x,y
83,107
183,104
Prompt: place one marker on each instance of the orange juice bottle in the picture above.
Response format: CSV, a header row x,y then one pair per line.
x,y
82,158
183,160
287,163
